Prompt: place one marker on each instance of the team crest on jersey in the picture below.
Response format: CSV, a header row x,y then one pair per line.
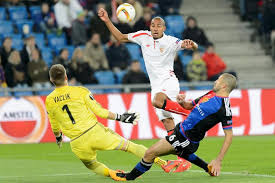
x,y
204,99
161,50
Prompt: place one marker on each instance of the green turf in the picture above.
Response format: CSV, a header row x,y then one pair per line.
x,y
250,159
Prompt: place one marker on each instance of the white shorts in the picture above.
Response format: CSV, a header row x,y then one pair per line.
x,y
171,88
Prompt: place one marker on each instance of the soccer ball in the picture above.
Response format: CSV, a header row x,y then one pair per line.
x,y
125,13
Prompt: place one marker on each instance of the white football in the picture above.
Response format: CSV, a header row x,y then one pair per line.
x,y
125,13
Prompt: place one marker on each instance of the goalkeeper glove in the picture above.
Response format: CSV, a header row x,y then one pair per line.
x,y
128,117
59,140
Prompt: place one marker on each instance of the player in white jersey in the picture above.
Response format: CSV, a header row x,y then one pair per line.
x,y
159,51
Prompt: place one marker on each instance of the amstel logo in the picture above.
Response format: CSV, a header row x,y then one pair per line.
x,y
22,120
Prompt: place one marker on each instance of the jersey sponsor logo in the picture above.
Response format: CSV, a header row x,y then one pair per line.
x,y
147,45
200,110
61,98
25,123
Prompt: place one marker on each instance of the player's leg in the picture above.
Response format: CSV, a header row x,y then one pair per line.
x,y
167,119
107,139
97,167
166,100
165,97
81,147
180,144
162,101
139,150
172,144
162,147
157,98
193,158
119,143
168,122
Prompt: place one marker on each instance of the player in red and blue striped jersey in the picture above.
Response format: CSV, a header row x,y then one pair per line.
x,y
207,111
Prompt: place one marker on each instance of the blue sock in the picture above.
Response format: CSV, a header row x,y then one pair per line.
x,y
196,160
139,169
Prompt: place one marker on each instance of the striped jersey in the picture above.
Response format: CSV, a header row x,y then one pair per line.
x,y
208,111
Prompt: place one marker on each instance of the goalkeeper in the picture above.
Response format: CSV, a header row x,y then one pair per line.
x,y
72,111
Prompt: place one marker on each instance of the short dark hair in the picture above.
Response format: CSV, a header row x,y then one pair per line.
x,y
57,74
95,33
44,3
63,49
191,18
134,61
6,38
210,44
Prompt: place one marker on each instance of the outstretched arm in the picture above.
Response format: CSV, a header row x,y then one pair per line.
x,y
216,163
97,109
126,117
115,32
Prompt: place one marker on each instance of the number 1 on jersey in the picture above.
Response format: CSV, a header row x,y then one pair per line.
x,y
65,107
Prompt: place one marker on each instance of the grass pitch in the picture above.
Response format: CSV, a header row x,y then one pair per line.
x,y
249,160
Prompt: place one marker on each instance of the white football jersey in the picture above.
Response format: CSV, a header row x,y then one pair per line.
x,y
158,55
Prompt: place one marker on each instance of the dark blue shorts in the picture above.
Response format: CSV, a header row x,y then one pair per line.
x,y
181,144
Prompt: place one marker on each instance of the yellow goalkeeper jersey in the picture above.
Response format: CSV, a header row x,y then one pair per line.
x,y
73,110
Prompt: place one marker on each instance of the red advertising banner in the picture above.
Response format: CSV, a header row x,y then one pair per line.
x,y
24,120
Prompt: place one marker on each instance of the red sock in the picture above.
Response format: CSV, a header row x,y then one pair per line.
x,y
175,108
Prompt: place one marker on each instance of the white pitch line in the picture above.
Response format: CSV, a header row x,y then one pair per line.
x,y
26,155
229,173
49,175
194,171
